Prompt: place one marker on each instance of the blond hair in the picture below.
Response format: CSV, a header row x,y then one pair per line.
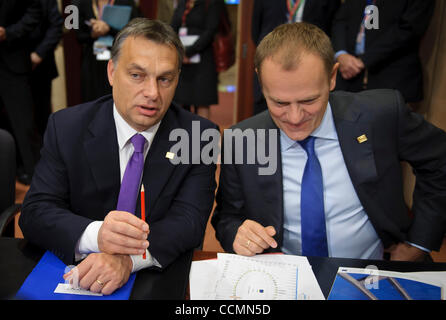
x,y
287,42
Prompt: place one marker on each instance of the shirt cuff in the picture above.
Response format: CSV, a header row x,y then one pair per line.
x,y
419,247
88,242
140,263
337,54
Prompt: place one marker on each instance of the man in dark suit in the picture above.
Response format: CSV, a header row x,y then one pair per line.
x,y
269,14
43,41
385,56
17,20
86,180
337,190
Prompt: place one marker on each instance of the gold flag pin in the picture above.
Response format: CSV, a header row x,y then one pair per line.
x,y
362,138
170,155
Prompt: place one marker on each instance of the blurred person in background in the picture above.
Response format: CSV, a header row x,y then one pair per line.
x,y
17,20
383,54
198,85
94,82
43,41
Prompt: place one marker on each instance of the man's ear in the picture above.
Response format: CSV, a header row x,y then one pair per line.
x,y
334,73
110,71
258,77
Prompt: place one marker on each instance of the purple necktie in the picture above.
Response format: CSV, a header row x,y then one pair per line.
x,y
128,194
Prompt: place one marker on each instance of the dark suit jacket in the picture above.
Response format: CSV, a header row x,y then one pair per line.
x,y
394,134
391,52
18,18
78,179
269,14
45,38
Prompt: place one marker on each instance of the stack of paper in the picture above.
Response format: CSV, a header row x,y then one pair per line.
x,y
262,277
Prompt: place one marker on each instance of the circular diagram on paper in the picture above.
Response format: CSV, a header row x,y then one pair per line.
x,y
256,285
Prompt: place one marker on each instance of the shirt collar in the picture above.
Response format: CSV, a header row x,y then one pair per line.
x,y
326,130
125,131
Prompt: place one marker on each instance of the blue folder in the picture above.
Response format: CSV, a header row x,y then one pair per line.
x,y
48,273
116,16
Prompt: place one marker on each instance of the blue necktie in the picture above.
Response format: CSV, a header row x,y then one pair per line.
x,y
314,235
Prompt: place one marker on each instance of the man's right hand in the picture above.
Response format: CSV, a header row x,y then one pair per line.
x,y
253,238
123,233
349,66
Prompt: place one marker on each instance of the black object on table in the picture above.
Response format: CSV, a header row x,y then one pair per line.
x,y
18,258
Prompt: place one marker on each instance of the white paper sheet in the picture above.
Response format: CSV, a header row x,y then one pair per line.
x,y
266,276
67,289
189,40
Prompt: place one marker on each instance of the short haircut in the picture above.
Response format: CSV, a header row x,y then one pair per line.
x,y
287,42
154,30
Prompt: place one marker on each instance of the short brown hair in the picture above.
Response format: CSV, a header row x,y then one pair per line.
x,y
153,30
287,42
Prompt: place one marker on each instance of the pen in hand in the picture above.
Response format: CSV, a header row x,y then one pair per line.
x,y
143,211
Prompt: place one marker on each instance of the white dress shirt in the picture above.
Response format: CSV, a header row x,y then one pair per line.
x,y
350,233
88,242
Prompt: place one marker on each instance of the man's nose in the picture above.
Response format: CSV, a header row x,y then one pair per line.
x,y
151,90
295,114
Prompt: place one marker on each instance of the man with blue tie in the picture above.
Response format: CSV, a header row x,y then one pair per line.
x,y
84,204
337,190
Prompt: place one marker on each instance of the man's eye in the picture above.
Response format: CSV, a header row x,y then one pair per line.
x,y
308,101
135,76
165,81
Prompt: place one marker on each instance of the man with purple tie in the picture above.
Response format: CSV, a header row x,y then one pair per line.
x,y
84,198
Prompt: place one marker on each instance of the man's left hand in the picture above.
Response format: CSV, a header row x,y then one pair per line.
x,y
405,252
104,273
2,34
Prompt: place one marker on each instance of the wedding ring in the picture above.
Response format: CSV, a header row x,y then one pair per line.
x,y
248,243
99,282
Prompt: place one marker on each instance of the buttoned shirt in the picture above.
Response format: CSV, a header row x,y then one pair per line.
x,y
350,233
88,242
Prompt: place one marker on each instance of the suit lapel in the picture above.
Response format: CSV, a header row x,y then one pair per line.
x,y
102,152
158,168
350,124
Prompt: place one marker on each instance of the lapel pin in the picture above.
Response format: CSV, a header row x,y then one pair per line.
x,y
362,138
170,155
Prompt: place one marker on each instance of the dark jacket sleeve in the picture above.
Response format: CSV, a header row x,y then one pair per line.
x,y
256,21
229,213
83,34
26,24
402,35
422,145
54,32
339,30
46,218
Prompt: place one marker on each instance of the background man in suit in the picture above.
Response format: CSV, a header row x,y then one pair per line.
x,y
386,57
84,192
17,20
43,41
338,187
269,14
